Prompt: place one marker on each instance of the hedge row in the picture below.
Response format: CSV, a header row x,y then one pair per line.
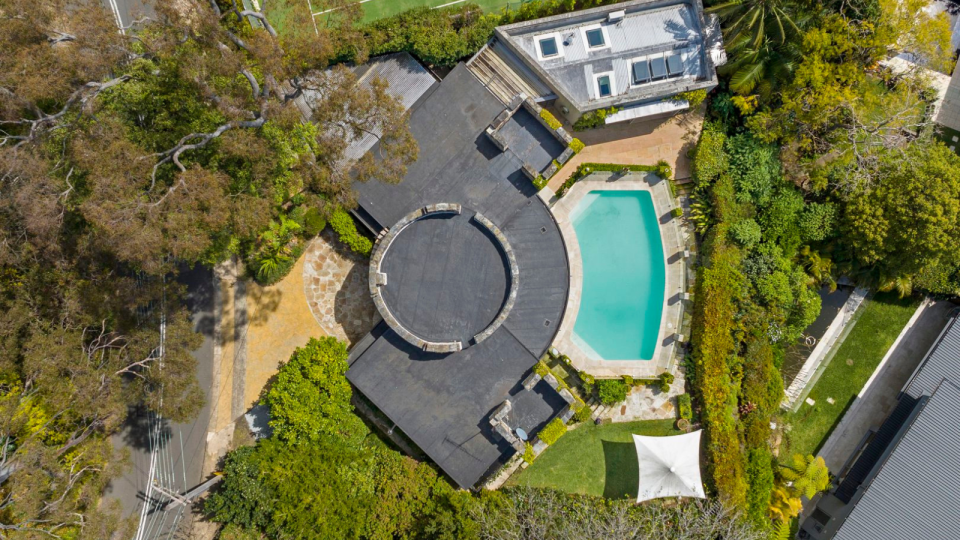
x,y
714,358
343,225
662,169
442,37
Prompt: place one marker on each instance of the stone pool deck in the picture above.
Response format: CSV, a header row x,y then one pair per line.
x,y
672,238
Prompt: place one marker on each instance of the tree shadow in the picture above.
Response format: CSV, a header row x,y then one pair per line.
x,y
622,471
352,309
140,430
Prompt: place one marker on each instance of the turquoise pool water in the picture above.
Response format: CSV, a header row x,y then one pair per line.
x,y
623,275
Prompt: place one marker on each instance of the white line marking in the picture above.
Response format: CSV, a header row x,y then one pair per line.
x,y
334,9
116,15
450,4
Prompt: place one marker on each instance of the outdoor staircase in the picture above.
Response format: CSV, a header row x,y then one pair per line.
x,y
503,76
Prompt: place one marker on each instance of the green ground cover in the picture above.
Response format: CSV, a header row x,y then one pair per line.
x,y
593,460
279,10
883,318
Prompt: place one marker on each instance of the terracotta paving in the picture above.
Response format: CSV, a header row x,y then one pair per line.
x,y
335,286
640,143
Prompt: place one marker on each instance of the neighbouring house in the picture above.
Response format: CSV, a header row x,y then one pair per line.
x,y
903,480
948,112
636,56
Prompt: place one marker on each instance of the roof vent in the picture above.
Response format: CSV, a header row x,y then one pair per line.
x,y
616,16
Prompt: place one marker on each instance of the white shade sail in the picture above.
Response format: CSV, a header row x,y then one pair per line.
x,y
669,466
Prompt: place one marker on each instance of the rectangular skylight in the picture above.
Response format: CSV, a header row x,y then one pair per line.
x,y
603,86
548,47
674,64
659,67
641,71
595,38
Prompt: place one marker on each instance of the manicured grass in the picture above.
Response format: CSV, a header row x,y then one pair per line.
x,y
883,319
279,11
593,460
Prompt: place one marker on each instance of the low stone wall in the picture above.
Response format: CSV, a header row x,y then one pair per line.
x,y
378,279
514,278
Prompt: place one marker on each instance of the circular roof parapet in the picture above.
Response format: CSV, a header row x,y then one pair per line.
x,y
443,278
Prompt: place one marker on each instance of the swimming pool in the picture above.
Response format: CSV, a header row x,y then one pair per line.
x,y
624,275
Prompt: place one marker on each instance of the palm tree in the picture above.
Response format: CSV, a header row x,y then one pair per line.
x,y
747,23
762,69
808,474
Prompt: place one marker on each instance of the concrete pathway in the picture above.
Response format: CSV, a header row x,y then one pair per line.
x,y
879,396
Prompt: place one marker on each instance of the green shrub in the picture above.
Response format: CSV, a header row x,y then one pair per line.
x,y
710,159
583,414
577,145
343,225
550,119
760,478
611,391
540,182
313,223
677,212
541,369
440,37
270,269
693,97
665,171
666,377
627,380
311,396
585,169
552,431
528,454
594,119
684,406
746,232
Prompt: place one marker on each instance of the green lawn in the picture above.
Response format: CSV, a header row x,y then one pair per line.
x,y
593,460
279,10
883,318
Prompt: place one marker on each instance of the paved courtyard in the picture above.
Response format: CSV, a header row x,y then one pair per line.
x,y
647,402
336,291
637,143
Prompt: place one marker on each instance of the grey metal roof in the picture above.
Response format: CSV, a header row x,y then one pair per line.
x,y
914,494
407,80
649,28
443,402
942,362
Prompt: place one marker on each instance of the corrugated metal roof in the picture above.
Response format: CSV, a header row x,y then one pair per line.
x,y
406,80
914,494
942,362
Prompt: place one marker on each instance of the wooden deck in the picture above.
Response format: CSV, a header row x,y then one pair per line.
x,y
504,76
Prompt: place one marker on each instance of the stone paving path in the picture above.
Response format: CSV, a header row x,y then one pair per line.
x,y
648,403
335,285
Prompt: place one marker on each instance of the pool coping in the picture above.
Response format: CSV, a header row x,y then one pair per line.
x,y
674,283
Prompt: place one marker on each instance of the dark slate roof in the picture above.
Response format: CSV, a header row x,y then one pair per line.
x,y
447,278
914,494
443,402
942,362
